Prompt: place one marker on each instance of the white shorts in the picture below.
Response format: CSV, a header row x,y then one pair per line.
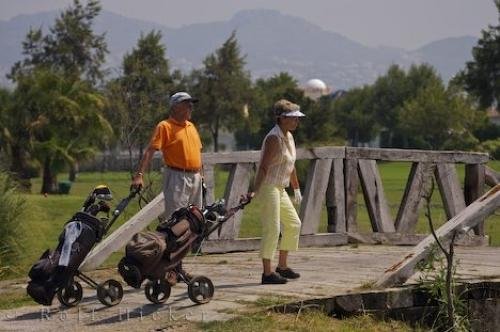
x,y
181,189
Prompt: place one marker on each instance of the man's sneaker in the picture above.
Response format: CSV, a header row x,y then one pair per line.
x,y
287,273
273,278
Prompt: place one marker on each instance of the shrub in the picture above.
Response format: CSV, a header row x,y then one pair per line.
x,y
492,147
12,207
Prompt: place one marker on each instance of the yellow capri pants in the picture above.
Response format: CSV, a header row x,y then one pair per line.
x,y
277,207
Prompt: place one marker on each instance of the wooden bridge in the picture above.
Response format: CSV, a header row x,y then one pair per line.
x,y
334,175
333,178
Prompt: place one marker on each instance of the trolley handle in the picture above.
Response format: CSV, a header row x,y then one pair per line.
x,y
134,190
244,201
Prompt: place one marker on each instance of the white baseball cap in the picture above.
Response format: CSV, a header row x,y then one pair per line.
x,y
179,97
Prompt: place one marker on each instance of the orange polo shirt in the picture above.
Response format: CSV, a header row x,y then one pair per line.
x,y
180,144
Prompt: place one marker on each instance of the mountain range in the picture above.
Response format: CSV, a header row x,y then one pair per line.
x,y
272,42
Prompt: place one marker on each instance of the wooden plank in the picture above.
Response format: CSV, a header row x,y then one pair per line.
x,y
474,188
374,195
333,152
250,244
335,198
400,239
119,238
314,195
449,187
237,185
231,157
351,194
417,155
209,179
321,152
462,223
492,177
407,216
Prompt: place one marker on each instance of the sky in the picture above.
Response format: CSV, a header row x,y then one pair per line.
x,y
406,24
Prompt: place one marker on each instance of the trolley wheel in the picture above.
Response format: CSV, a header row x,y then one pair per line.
x,y
200,289
110,292
157,291
70,295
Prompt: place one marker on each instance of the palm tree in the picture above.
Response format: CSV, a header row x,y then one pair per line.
x,y
67,122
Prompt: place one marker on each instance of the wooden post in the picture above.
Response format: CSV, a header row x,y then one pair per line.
x,y
314,195
237,185
400,272
449,187
492,177
351,194
335,198
119,238
407,216
373,191
474,188
209,178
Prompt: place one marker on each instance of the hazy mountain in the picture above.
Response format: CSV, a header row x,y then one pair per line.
x,y
272,42
447,55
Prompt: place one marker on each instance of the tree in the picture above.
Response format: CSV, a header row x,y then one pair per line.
x,y
72,50
354,116
439,119
62,121
70,47
15,139
390,92
5,136
259,117
481,76
223,87
141,94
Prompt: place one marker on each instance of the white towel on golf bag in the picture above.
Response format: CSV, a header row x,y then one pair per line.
x,y
71,232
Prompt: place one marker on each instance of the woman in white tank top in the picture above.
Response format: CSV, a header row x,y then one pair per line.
x,y
276,172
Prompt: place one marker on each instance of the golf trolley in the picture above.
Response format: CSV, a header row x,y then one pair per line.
x,y
56,270
186,230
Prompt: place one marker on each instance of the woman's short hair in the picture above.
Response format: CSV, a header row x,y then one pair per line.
x,y
285,108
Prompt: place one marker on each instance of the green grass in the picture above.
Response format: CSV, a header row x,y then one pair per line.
x,y
307,320
14,299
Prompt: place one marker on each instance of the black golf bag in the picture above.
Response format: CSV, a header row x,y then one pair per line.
x,y
54,272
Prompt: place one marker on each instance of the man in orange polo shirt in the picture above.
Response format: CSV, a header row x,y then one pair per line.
x,y
180,144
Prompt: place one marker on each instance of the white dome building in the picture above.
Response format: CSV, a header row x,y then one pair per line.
x,y
315,88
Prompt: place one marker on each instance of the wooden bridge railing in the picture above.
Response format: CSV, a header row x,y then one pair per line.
x,y
333,178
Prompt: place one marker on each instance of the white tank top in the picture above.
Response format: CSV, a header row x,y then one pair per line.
x,y
282,163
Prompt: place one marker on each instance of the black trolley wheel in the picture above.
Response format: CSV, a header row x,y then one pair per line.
x,y
157,291
200,289
71,294
110,292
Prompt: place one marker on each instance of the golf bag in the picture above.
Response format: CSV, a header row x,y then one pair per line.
x,y
155,255
150,255
55,270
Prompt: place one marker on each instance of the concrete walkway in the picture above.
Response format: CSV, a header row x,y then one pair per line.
x,y
325,272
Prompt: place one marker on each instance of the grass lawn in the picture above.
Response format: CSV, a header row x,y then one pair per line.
x,y
47,215
309,320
